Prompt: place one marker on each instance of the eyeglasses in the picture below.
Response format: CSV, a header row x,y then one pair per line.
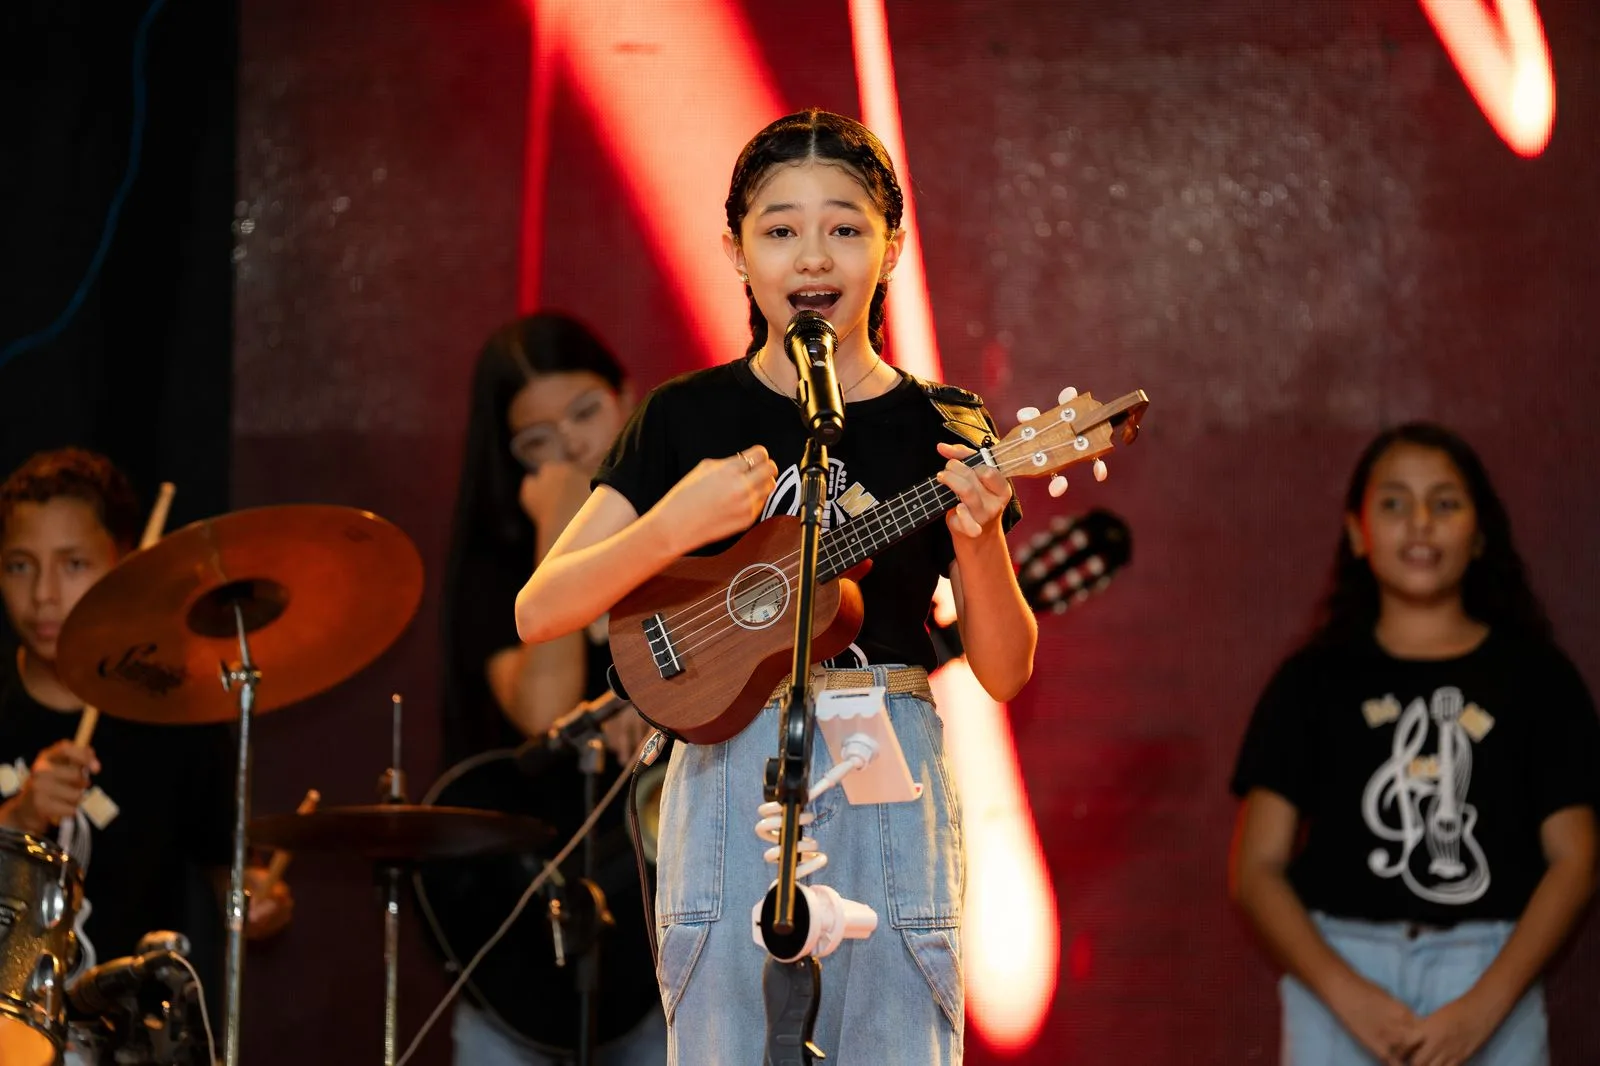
x,y
544,442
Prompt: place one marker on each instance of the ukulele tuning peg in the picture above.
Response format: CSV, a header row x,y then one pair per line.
x,y
1058,486
1068,394
1027,414
1100,470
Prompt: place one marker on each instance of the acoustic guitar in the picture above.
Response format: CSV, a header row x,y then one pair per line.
x,y
700,646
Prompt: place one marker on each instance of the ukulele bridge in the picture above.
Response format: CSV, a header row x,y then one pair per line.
x,y
661,649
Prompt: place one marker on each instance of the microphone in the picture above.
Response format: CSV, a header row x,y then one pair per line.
x,y
809,342
102,988
569,731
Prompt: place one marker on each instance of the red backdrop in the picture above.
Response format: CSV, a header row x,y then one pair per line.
x,y
1288,222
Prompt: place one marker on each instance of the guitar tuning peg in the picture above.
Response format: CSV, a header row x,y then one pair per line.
x,y
1027,414
1068,394
1100,470
1058,486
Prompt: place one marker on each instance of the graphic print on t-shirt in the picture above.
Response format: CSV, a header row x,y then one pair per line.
x,y
842,506
1418,803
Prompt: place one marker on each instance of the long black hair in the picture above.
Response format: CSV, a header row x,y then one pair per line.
x,y
492,541
1495,589
814,135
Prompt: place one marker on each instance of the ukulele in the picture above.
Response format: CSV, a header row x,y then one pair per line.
x,y
701,646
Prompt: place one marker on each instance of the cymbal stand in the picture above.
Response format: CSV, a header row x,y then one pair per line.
x,y
244,677
392,787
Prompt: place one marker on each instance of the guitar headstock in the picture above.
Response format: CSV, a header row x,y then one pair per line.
x,y
1072,559
1077,429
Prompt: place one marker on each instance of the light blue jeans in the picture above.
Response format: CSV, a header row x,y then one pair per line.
x,y
893,999
481,1041
1424,972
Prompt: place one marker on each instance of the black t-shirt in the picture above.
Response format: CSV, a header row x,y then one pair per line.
x,y
888,447
173,787
1422,785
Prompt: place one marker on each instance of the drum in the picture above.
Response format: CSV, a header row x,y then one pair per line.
x,y
41,893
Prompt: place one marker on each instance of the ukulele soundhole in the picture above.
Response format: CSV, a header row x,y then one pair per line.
x,y
758,596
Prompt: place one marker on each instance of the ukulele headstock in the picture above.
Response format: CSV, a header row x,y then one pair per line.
x,y
1078,429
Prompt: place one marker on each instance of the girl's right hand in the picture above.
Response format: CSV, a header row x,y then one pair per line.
x,y
719,497
1379,1022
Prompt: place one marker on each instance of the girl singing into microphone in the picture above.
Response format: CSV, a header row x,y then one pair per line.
x,y
813,217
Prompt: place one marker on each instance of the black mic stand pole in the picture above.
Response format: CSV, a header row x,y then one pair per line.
x,y
792,990
591,760
589,914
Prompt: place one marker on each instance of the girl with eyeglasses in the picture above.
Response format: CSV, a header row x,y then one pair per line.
x,y
548,398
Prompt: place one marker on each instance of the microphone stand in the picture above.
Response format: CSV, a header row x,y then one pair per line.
x,y
580,731
792,990
591,760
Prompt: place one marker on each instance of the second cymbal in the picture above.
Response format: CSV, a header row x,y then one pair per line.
x,y
400,832
323,590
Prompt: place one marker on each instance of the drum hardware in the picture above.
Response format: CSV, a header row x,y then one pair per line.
x,y
392,835
316,591
475,909
145,1009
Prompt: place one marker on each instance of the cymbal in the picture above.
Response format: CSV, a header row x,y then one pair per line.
x,y
323,591
396,832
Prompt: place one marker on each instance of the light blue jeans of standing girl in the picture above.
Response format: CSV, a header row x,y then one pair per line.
x,y
1422,969
893,999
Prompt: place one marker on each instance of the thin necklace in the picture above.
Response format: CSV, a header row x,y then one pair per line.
x,y
876,359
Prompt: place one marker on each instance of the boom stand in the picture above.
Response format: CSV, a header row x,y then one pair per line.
x,y
591,911
793,989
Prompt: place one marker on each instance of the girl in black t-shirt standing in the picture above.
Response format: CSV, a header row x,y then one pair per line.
x,y
813,223
1417,836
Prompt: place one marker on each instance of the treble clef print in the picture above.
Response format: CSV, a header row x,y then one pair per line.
x,y
1392,788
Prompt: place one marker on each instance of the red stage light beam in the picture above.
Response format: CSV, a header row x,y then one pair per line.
x,y
1504,58
1011,933
912,342
675,90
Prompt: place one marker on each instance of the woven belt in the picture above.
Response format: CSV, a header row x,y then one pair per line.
x,y
901,681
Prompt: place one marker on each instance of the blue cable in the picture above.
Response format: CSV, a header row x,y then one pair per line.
x,y
141,37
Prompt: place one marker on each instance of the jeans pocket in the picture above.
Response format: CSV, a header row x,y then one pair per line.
x,y
680,948
693,833
937,954
922,850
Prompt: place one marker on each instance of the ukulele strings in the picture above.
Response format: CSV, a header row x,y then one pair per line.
x,y
709,610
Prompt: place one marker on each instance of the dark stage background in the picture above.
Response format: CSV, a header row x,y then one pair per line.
x,y
1288,222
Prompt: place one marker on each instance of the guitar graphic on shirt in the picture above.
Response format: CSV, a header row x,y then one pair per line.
x,y
1439,857
1444,828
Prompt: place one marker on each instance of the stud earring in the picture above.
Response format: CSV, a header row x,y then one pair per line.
x,y
884,278
744,277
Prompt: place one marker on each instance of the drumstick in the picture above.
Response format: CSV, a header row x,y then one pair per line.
x,y
280,858
158,515
152,533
